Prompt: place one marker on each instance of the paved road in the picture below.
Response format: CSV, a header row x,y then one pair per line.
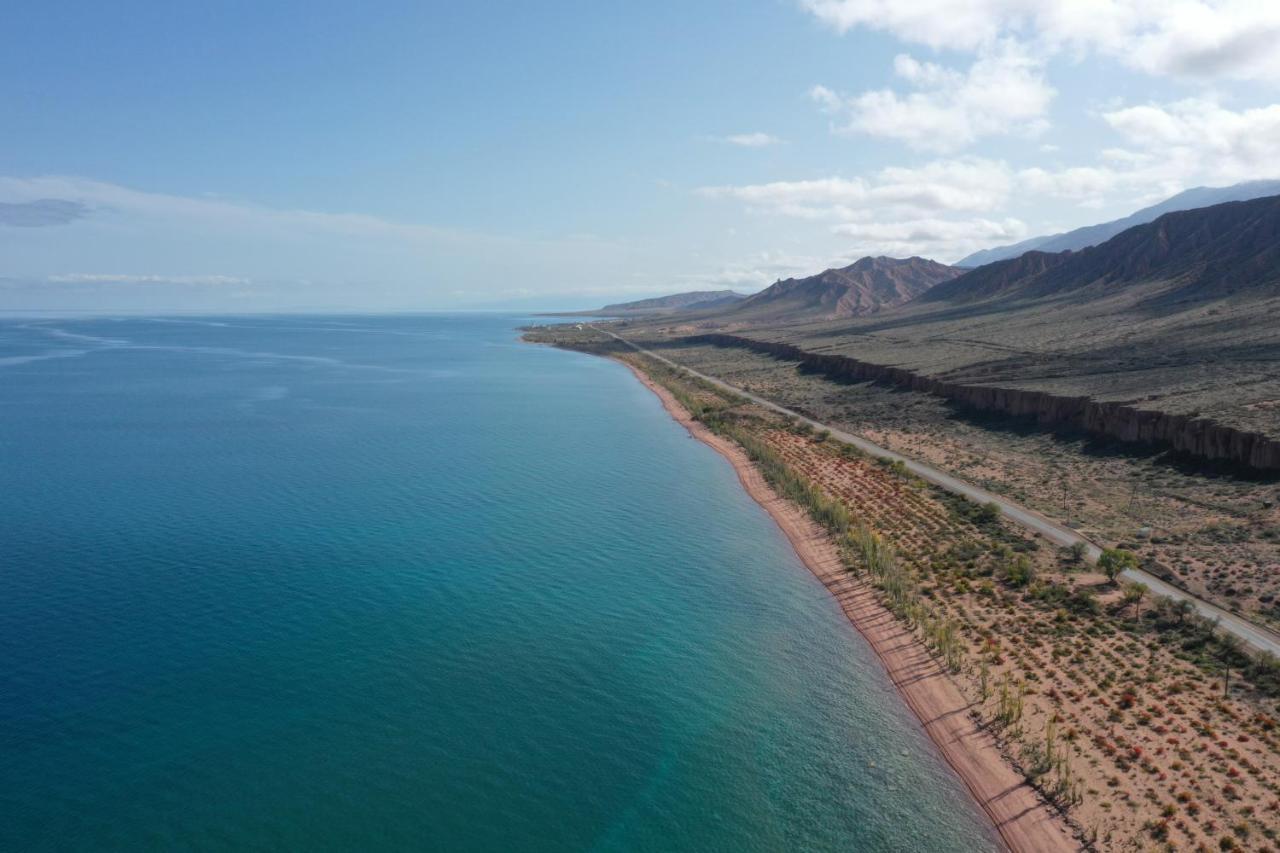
x,y
1254,635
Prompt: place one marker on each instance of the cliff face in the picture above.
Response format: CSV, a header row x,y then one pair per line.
x,y
1197,436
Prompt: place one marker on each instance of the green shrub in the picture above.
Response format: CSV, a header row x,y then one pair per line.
x,y
1020,572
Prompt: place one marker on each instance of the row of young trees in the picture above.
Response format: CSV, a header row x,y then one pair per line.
x,y
880,559
832,514
1048,763
898,582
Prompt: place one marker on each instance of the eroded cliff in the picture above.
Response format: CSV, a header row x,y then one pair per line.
x,y
1199,437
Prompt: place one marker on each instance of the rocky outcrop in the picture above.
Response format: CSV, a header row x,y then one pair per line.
x,y
1196,436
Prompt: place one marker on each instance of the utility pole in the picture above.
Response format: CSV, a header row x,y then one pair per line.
x,y
1135,499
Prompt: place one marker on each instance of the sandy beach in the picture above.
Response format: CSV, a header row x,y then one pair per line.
x,y
1022,819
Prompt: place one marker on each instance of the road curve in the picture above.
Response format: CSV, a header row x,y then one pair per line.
x,y
1252,634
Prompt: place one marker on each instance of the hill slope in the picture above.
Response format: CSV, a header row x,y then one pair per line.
x,y
1092,235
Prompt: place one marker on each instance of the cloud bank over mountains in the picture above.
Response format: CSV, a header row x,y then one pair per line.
x,y
987,74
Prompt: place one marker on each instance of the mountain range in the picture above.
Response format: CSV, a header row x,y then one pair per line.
x,y
1206,253
1092,235
872,285
1166,332
864,287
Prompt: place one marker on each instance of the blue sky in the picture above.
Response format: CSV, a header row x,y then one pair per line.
x,y
412,156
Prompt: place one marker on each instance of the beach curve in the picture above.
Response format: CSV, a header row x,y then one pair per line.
x,y
1023,821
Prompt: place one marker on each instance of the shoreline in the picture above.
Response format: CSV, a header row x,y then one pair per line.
x,y
1021,819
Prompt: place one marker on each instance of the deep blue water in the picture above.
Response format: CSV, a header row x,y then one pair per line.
x,y
405,583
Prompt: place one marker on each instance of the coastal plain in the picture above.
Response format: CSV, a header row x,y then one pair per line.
x,y
1136,723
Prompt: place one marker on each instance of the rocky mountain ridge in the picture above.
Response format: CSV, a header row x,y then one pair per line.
x,y
864,287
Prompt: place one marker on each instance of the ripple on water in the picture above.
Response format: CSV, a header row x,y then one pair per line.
x,y
481,596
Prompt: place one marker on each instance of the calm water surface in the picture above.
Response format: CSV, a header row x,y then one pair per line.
x,y
338,583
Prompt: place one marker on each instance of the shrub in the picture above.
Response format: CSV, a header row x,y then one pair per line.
x,y
1020,572
1051,594
1083,602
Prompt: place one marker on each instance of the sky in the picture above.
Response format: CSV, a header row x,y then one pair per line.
x,y
389,156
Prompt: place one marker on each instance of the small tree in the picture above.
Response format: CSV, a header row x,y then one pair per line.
x,y
1115,560
1229,646
1133,594
1078,551
1264,669
1183,608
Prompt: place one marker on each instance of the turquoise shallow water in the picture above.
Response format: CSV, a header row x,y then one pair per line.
x,y
405,583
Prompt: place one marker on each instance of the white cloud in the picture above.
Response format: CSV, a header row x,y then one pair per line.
x,y
760,270
1002,92
1229,144
101,200
1169,147
105,199
1078,182
1207,39
41,213
752,140
960,185
124,278
961,24
926,210
950,206
967,184
810,199
294,258
946,239
1231,40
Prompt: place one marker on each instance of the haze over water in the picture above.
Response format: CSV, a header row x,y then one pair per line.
x,y
406,583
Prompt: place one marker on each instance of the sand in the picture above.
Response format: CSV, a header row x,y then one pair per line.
x,y
1020,816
